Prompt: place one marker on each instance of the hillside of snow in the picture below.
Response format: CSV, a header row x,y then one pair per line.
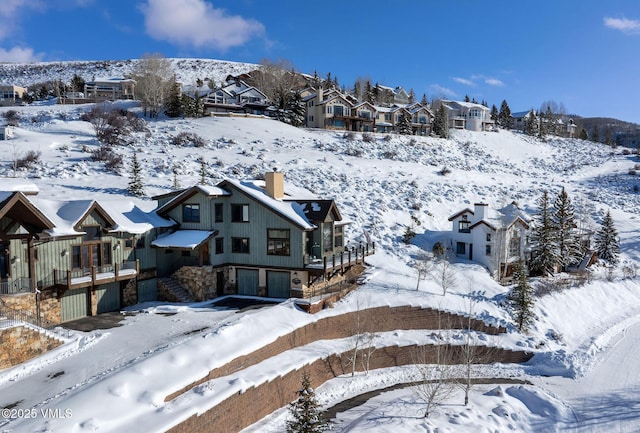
x,y
187,70
379,186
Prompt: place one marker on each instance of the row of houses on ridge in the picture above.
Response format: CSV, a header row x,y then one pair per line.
x,y
62,260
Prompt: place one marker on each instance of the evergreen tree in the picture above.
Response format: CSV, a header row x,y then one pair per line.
x,y
494,114
412,96
606,241
174,106
504,116
305,411
543,240
135,187
466,98
424,101
583,134
404,125
595,136
441,123
563,217
531,125
203,171
77,83
521,299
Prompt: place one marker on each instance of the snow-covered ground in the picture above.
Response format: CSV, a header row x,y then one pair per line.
x,y
116,380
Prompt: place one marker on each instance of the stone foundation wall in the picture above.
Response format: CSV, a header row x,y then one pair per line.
x,y
200,281
130,293
20,343
50,306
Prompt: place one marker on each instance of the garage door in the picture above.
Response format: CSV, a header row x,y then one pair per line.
x,y
247,282
278,284
108,298
74,304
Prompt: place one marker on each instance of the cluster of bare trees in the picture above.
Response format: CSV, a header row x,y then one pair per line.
x,y
437,265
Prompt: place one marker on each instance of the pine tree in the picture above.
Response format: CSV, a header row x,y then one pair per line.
x,y
543,240
531,126
404,125
135,187
305,411
441,123
521,299
606,241
203,171
504,116
495,114
174,104
563,217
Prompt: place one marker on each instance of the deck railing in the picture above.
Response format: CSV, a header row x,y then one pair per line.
x,y
346,258
15,286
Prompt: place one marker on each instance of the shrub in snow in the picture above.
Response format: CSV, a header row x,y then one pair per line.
x,y
349,136
12,117
29,160
444,171
368,137
188,139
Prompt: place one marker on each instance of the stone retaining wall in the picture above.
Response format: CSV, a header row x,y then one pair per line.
x,y
243,409
21,343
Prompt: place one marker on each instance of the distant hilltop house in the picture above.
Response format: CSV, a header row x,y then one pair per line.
x,y
61,260
562,126
11,95
332,109
234,96
113,88
465,115
495,238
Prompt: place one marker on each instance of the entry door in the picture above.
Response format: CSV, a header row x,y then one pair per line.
x,y
4,265
278,284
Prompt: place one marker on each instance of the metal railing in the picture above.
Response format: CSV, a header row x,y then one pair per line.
x,y
11,317
15,286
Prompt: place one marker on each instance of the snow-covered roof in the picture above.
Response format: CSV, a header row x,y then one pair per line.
x,y
125,215
285,207
186,239
13,184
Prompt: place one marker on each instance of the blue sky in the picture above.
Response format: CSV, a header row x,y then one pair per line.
x,y
582,54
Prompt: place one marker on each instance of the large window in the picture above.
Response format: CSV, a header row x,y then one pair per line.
x,y
219,212
338,240
464,226
278,242
514,247
240,213
190,213
87,255
461,248
327,237
240,245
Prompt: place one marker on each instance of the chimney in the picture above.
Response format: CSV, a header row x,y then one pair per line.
x,y
320,94
274,184
480,211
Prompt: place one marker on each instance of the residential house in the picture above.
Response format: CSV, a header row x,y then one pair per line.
x,y
110,89
63,260
11,95
330,110
494,238
521,118
421,119
236,96
466,115
255,237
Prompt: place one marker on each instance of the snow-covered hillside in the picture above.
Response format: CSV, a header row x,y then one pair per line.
x,y
379,186
187,70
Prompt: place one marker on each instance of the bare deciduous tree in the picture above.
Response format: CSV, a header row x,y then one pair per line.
x,y
154,78
423,265
442,271
362,340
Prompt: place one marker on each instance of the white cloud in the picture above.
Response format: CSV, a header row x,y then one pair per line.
x,y
441,92
494,82
630,27
197,23
464,81
19,55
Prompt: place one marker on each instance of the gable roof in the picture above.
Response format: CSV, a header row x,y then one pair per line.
x,y
185,194
18,207
318,210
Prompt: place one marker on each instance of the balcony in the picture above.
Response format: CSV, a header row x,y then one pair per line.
x,y
339,261
90,277
15,286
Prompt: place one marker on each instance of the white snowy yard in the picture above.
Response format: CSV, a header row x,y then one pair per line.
x,y
585,372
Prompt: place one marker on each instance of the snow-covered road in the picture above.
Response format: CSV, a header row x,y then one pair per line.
x,y
607,398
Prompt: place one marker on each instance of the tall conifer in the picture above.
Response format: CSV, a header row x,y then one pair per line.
x,y
606,241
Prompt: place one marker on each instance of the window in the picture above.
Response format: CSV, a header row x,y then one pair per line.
x,y
278,242
128,243
106,253
338,237
240,245
240,213
514,247
463,226
219,245
219,212
92,233
460,248
327,237
190,213
338,110
488,237
487,249
140,242
185,253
